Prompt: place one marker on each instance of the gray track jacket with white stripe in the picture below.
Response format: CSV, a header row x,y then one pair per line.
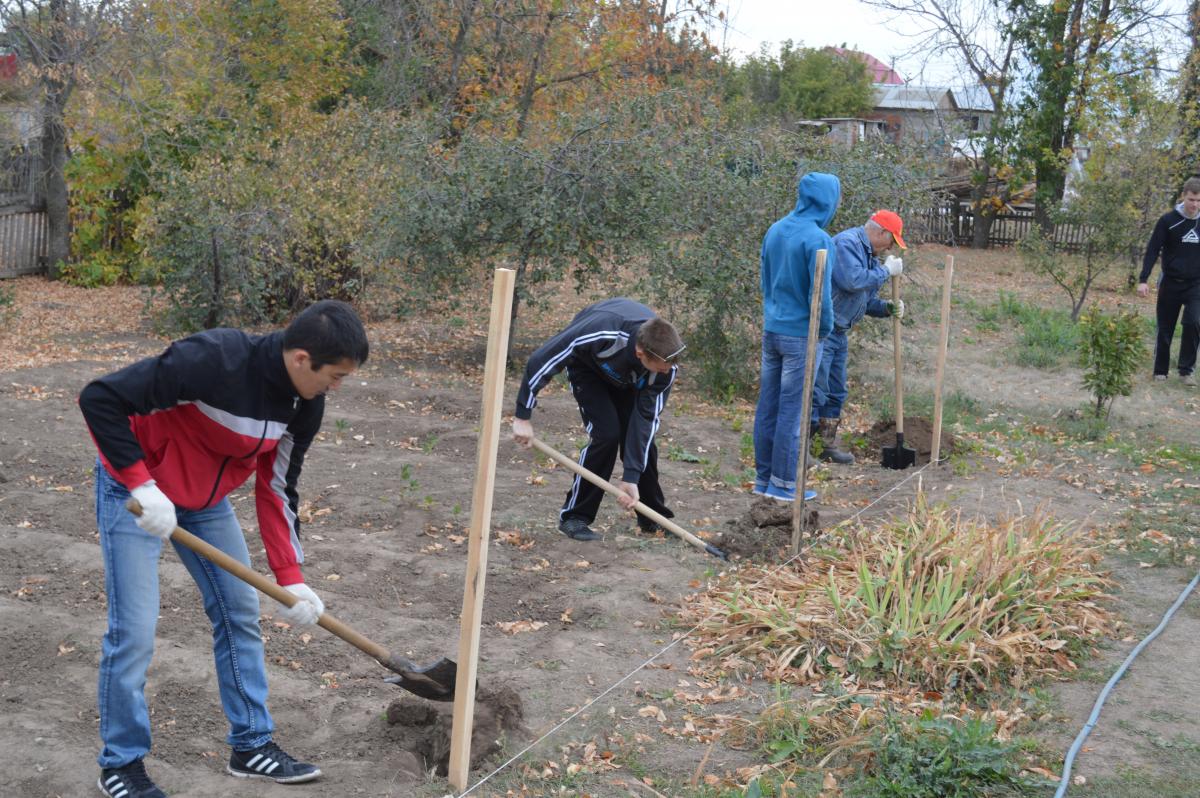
x,y
601,338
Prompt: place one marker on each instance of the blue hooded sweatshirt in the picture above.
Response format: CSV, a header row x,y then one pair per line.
x,y
789,257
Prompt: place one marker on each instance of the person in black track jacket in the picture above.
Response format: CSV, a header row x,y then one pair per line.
x,y
620,359
179,432
1177,238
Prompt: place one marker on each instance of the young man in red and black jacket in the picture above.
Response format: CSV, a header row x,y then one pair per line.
x,y
1177,237
620,360
179,432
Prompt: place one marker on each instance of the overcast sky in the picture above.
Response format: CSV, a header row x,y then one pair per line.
x,y
824,23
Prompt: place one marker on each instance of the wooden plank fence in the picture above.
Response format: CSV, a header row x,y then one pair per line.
x,y
952,224
23,239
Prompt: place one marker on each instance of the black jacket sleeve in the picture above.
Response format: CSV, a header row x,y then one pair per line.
x,y
644,424
156,383
552,357
1157,240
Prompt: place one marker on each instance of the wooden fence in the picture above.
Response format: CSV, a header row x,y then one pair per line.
x,y
22,240
952,224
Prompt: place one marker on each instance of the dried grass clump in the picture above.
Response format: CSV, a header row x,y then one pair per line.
x,y
932,602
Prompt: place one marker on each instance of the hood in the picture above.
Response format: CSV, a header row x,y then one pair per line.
x,y
817,197
1179,208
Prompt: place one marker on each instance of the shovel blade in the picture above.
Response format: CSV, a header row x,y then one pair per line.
x,y
435,681
899,457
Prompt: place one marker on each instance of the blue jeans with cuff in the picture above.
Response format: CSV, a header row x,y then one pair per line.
x,y
777,416
131,584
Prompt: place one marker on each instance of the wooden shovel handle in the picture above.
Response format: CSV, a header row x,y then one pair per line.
x,y
608,487
896,347
275,591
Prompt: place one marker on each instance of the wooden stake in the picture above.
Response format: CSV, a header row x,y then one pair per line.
x,y
810,376
943,343
481,514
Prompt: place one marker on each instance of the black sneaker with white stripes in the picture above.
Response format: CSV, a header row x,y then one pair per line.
x,y
129,781
271,762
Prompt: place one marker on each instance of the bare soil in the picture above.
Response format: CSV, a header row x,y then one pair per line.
x,y
387,491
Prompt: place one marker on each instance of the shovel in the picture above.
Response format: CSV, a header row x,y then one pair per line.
x,y
434,681
605,485
899,456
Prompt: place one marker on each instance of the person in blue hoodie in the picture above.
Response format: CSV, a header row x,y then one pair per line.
x,y
856,282
787,263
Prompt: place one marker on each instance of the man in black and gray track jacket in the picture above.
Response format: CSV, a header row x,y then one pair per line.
x,y
1177,238
620,361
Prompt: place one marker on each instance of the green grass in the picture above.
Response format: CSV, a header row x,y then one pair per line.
x,y
1178,781
1047,338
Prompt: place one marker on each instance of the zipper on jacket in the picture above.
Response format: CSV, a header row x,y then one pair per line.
x,y
225,462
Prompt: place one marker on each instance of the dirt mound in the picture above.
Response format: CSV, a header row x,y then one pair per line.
x,y
765,532
918,433
422,728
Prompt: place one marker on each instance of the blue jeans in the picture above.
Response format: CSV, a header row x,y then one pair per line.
x,y
131,583
829,391
777,417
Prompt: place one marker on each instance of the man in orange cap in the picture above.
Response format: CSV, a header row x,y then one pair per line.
x,y
857,277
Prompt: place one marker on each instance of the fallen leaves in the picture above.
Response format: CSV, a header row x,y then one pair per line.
x,y
519,627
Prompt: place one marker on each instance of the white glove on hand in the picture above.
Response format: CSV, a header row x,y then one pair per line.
x,y
893,265
897,308
158,513
304,612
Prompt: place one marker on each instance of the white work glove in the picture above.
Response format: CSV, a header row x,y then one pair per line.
x,y
896,307
304,612
893,265
158,512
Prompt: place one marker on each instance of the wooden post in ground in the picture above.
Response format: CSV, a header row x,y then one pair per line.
x,y
481,515
810,376
943,342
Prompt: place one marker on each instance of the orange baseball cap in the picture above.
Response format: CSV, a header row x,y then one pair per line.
x,y
890,221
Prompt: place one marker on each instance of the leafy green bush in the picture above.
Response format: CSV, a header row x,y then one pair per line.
x,y
940,757
105,187
251,235
1110,351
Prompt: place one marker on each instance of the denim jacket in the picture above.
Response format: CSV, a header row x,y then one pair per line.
x,y
857,278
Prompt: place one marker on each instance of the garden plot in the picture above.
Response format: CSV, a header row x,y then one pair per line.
x,y
387,490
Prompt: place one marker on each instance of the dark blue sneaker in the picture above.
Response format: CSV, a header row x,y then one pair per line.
x,y
129,781
271,762
576,529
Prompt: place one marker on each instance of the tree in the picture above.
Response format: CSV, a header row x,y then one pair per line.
x,y
1104,207
982,37
59,40
187,82
801,83
1189,97
513,60
1075,47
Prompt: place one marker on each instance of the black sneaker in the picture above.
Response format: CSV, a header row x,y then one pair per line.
x,y
576,529
271,762
648,527
129,781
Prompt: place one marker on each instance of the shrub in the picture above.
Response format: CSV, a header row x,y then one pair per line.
x,y
940,757
1111,349
249,236
932,601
